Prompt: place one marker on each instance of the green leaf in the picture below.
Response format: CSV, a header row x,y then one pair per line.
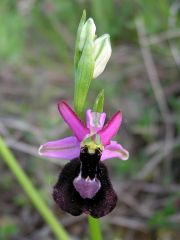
x,y
77,54
84,72
99,103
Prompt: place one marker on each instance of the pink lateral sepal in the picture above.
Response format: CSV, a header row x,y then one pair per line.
x,y
67,148
72,120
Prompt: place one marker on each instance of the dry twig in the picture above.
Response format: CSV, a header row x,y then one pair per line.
x,y
135,224
170,34
158,92
154,161
172,22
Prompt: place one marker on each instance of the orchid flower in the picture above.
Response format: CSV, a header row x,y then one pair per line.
x,y
84,185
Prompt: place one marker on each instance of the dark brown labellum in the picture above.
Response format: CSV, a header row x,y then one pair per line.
x,y
70,200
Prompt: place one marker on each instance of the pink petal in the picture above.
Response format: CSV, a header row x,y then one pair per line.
x,y
72,120
111,128
67,148
114,150
94,120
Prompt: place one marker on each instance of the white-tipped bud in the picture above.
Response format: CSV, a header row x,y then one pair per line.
x,y
88,28
102,54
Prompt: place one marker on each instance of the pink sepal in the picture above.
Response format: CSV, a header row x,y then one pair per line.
x,y
66,148
72,120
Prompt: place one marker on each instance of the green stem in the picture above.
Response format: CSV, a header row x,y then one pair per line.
x,y
29,189
94,227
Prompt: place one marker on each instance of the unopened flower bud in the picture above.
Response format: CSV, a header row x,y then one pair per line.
x,y
102,54
89,28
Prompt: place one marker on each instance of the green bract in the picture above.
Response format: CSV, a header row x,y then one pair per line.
x,y
99,103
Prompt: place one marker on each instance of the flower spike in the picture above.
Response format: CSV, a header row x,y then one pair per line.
x,y
72,120
111,128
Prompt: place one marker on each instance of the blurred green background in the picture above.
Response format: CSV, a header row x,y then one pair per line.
x,y
37,39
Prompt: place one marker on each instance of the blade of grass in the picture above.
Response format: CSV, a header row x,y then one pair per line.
x,y
98,12
33,194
